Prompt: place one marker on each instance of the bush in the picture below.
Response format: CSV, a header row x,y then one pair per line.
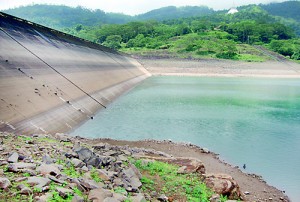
x,y
226,55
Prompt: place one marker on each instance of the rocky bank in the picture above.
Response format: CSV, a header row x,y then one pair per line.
x,y
63,168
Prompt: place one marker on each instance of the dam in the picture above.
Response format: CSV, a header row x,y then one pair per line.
x,y
52,82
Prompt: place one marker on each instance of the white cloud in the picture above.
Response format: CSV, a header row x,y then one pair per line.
x,y
132,7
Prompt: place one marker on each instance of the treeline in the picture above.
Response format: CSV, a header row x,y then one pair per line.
x,y
218,36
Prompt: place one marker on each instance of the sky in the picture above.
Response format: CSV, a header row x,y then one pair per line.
x,y
133,7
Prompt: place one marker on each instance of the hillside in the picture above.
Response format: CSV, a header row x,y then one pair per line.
x,y
172,12
59,16
184,32
288,9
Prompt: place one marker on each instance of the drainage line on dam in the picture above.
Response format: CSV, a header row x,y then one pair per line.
x,y
53,68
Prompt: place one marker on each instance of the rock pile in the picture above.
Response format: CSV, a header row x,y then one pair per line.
x,y
47,167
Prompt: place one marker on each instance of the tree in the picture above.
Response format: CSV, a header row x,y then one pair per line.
x,y
113,41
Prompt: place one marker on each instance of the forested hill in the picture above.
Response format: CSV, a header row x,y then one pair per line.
x,y
288,9
172,12
59,16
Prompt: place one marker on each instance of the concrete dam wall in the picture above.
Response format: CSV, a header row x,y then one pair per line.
x,y
52,82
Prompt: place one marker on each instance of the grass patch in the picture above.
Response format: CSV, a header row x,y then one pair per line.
x,y
250,58
163,178
95,175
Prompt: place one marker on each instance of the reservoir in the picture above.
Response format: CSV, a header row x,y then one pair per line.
x,y
255,121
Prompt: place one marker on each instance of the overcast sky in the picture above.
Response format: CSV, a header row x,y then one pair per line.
x,y
133,7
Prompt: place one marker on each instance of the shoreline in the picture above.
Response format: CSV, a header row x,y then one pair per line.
x,y
253,187
220,68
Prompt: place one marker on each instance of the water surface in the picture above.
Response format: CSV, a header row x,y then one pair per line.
x,y
255,121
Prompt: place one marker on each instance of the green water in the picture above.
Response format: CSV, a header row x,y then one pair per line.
x,y
255,121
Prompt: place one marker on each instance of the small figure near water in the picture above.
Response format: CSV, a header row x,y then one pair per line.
x,y
244,166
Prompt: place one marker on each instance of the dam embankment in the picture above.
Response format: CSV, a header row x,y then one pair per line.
x,y
51,82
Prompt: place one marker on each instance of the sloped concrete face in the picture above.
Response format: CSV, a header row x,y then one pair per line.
x,y
52,82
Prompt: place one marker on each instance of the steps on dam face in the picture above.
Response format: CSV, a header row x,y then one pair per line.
x,y
52,82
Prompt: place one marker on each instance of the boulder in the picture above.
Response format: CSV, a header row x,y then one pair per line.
x,y
51,169
43,198
47,159
138,198
223,184
4,183
188,165
13,158
131,179
110,199
93,161
89,184
63,192
84,153
15,167
119,197
77,198
98,195
38,182
77,163
26,191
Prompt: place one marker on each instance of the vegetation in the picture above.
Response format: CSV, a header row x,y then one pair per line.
x,y
186,32
163,178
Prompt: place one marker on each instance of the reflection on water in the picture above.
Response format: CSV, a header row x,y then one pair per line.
x,y
247,120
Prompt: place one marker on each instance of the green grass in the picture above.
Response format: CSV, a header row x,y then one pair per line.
x,y
95,175
250,58
163,178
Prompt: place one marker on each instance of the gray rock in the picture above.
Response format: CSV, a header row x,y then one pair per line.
x,y
215,198
77,198
84,154
21,179
84,168
131,180
162,198
98,195
63,192
43,198
4,183
54,179
62,137
77,163
50,169
47,159
13,158
14,167
20,186
26,191
76,146
205,150
89,184
38,182
138,198
103,174
110,199
119,197
30,172
93,161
